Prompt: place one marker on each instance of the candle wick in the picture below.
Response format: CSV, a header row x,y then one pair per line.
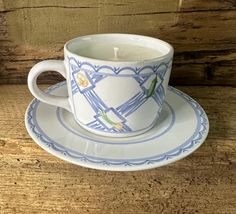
x,y
116,50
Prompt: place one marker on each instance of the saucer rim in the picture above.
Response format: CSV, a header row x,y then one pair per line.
x,y
124,165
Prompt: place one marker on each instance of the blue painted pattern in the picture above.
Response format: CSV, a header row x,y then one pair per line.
x,y
84,79
117,71
95,101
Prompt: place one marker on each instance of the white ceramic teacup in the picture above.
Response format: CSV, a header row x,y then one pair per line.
x,y
116,82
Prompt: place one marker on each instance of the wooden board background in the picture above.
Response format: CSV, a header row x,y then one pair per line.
x,y
203,34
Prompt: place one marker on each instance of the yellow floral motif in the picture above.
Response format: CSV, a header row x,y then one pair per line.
x,y
82,80
118,126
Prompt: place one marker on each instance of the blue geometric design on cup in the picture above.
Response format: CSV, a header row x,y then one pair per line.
x,y
95,101
132,104
139,99
151,86
159,95
141,79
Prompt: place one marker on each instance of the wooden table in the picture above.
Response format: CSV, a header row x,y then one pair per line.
x,y
33,181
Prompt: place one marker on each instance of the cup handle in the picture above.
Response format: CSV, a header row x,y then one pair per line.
x,y
52,65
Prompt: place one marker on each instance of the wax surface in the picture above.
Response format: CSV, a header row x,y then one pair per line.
x,y
124,52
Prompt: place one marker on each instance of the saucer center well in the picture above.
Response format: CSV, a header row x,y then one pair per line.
x,y
163,125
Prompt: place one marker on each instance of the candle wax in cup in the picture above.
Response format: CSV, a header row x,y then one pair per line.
x,y
118,52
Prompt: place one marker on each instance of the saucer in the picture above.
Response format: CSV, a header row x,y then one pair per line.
x,y
181,129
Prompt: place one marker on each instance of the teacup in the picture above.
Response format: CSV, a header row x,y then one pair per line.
x,y
116,82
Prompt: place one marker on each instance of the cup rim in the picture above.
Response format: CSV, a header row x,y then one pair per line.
x,y
159,58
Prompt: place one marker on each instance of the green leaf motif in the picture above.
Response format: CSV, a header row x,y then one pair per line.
x,y
106,118
151,88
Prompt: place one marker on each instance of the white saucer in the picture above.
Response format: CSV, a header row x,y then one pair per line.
x,y
182,128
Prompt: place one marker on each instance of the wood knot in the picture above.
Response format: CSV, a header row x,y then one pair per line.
x,y
209,70
2,142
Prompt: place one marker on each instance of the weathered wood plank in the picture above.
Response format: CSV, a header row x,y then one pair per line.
x,y
1,6
193,5
134,7
141,7
203,40
203,74
193,31
21,4
124,6
33,181
213,30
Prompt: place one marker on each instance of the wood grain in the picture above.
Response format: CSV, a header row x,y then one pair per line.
x,y
202,33
33,181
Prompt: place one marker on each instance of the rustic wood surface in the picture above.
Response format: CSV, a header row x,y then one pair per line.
x,y
33,181
204,38
202,33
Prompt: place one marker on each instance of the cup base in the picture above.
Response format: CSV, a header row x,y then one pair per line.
x,y
116,135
